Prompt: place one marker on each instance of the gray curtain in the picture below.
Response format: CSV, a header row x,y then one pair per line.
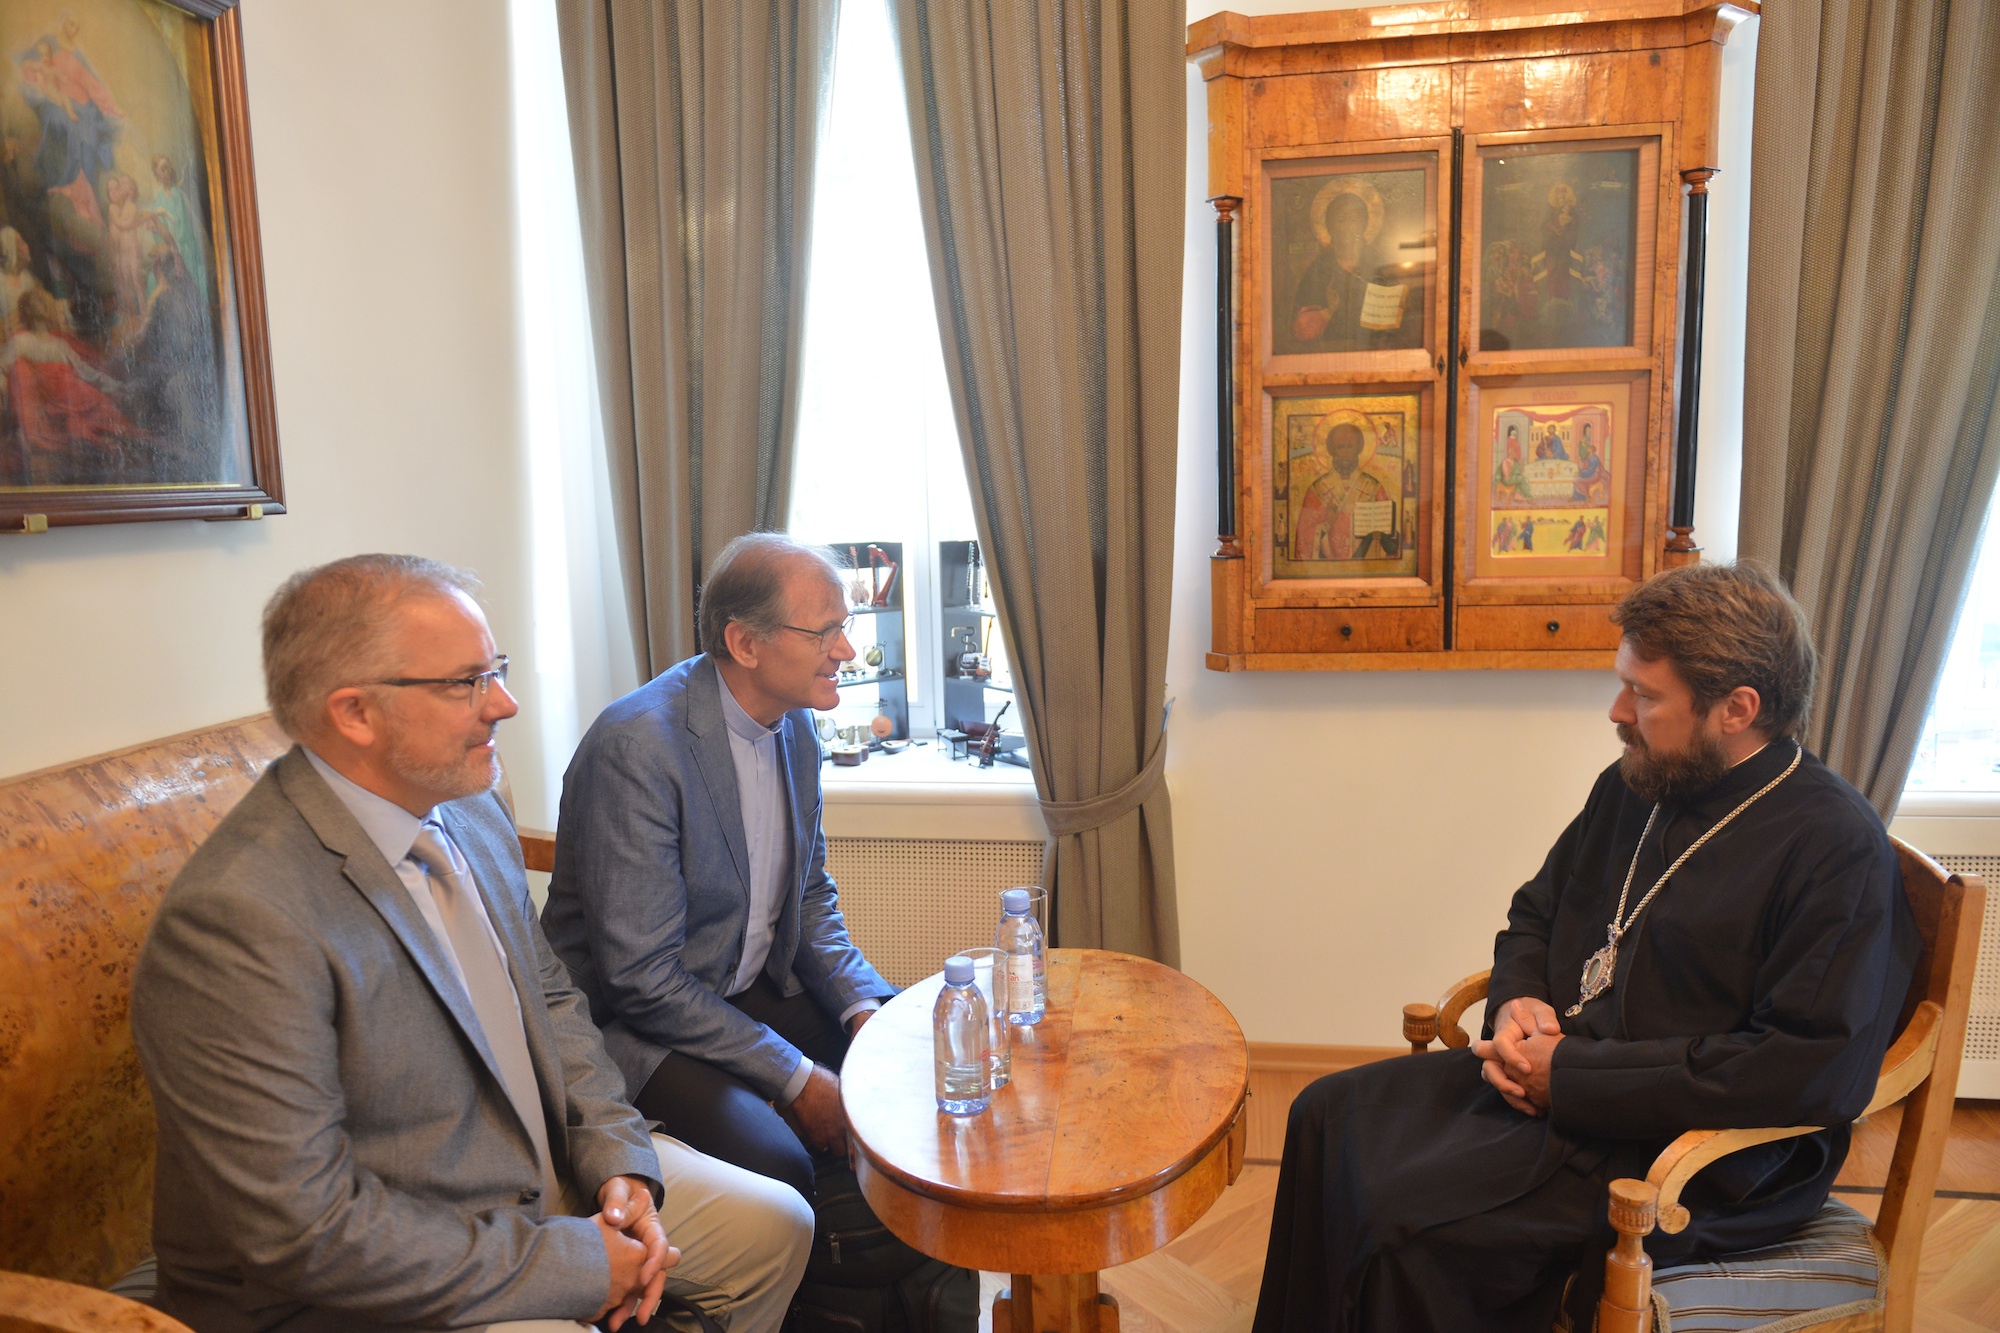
x,y
1051,152
694,125
1869,439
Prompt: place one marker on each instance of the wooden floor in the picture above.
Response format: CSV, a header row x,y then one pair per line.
x,y
1206,1281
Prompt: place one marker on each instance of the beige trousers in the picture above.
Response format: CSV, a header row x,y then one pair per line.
x,y
743,1240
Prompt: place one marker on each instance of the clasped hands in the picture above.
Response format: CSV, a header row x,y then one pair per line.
x,y
630,1227
636,1244
1516,1061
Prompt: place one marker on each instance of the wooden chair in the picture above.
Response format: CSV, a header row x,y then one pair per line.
x,y
1920,1070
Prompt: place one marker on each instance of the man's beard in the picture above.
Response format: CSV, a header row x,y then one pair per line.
x,y
451,781
1671,777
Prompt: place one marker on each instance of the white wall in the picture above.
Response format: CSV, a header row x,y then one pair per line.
x,y
380,131
1348,841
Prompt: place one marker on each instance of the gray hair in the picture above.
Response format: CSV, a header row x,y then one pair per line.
x,y
326,628
746,585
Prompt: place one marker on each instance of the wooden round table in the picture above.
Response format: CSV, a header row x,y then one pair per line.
x,y
1123,1123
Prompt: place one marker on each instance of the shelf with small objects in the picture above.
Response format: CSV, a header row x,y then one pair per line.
x,y
874,691
978,680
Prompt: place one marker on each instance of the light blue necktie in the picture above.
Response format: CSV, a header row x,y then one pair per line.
x,y
491,993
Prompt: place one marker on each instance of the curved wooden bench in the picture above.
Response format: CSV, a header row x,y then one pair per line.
x,y
43,1305
86,851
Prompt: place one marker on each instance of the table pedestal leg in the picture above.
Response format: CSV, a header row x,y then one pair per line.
x,y
1059,1303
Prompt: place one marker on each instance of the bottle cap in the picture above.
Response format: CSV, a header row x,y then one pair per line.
x,y
958,970
1014,902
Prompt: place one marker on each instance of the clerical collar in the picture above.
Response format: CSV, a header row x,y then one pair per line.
x,y
1746,776
1752,755
738,717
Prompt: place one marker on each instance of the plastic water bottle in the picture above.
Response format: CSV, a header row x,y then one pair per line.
x,y
1020,938
959,1041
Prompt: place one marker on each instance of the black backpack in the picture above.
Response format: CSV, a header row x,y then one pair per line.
x,y
861,1279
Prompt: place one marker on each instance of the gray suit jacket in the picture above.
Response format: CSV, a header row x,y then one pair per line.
x,y
650,901
336,1147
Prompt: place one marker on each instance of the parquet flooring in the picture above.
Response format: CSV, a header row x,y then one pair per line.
x,y
1206,1280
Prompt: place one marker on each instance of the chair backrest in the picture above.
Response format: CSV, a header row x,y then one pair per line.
x,y
86,853
1948,910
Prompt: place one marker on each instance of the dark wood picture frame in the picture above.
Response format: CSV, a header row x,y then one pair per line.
x,y
248,484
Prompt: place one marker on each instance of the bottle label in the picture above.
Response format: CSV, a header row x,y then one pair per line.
x,y
1021,983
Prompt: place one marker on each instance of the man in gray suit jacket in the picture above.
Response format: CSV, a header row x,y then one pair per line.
x,y
381,1103
690,897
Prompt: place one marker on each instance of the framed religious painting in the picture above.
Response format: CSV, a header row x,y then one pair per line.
x,y
1555,487
135,378
1349,256
1349,547
1561,242
1557,478
1348,476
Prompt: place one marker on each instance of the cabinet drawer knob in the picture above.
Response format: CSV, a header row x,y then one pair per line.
x,y
1347,631
1554,625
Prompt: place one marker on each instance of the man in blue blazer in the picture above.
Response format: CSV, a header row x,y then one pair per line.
x,y
690,897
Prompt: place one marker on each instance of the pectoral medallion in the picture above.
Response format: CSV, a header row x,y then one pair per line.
x,y
1597,970
1598,967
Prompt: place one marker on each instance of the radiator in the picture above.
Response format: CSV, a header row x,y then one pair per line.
x,y
1980,1075
910,903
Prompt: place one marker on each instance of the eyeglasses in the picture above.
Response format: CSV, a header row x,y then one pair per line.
x,y
825,636
471,689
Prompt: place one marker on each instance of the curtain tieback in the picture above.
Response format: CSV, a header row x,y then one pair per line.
x,y
1066,817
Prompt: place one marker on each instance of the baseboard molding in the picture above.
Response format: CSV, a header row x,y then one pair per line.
x,y
1271,1056
1279,1071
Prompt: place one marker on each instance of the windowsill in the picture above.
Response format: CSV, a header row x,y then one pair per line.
x,y
923,793
1949,805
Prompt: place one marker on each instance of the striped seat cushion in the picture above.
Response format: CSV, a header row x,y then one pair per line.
x,y
1828,1268
141,1284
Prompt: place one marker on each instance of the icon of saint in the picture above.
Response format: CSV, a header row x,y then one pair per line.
x,y
1328,527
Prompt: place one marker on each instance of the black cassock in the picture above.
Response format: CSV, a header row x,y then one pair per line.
x,y
1760,987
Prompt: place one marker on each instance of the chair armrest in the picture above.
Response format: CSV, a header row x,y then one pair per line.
x,y
538,848
1692,1151
1424,1023
1462,995
1907,1064
1909,1061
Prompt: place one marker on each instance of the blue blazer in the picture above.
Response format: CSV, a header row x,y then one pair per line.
x,y
650,901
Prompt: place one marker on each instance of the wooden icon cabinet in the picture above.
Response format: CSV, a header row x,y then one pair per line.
x,y
1458,318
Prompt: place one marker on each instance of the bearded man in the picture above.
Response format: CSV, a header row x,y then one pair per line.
x,y
1718,940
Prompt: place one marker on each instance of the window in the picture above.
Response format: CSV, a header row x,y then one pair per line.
x,y
582,656
1960,747
877,456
